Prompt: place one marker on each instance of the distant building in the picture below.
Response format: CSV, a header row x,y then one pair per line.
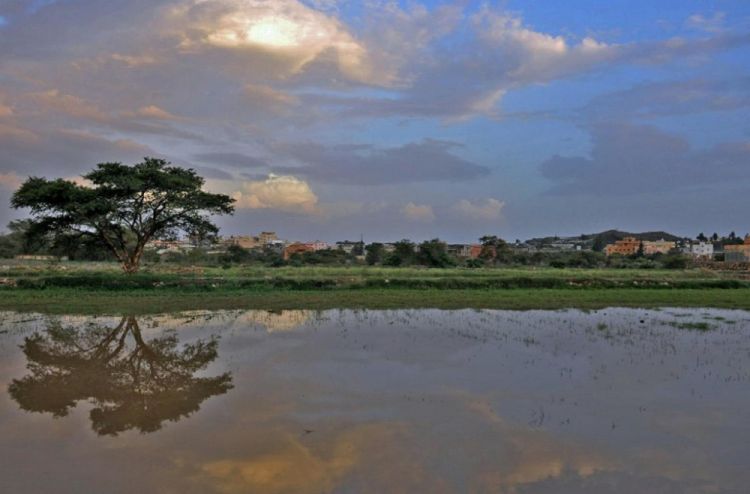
x,y
628,246
562,246
35,257
244,241
389,247
524,247
319,245
738,253
465,251
702,249
658,247
297,248
351,247
266,238
170,246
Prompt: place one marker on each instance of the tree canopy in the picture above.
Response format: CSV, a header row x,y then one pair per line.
x,y
124,206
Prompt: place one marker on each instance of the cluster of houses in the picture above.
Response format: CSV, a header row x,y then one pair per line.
x,y
630,246
738,253
269,240
626,246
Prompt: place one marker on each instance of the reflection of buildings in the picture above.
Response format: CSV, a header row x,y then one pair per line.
x,y
285,320
132,383
738,253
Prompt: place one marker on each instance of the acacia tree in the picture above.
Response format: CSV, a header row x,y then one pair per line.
x,y
125,207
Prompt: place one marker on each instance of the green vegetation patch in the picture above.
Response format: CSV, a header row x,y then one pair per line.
x,y
696,326
81,301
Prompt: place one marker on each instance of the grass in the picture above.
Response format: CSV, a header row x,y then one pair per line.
x,y
105,276
71,287
69,301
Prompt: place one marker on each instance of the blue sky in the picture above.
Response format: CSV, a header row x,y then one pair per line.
x,y
326,119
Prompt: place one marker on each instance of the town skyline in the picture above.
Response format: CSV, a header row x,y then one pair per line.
x,y
393,119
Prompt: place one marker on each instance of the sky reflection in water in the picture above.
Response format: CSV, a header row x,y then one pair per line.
x,y
377,401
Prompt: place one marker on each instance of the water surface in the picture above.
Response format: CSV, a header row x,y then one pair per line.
x,y
617,400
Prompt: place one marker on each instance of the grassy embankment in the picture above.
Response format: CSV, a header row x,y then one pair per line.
x,y
95,288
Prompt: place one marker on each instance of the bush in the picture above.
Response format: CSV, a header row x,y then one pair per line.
x,y
675,261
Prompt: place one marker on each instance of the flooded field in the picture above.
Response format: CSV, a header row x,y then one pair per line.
x,y
613,401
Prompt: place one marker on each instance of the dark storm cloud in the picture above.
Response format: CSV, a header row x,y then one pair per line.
x,y
628,159
425,161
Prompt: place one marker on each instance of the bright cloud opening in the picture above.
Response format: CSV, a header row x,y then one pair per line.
x,y
489,209
285,193
418,212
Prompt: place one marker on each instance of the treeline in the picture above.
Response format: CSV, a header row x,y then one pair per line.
x,y
495,252
731,239
22,238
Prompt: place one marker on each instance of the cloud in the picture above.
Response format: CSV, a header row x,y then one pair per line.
x,y
10,181
5,110
133,60
286,193
156,113
665,98
710,24
265,96
63,152
488,209
68,104
500,54
631,159
418,212
285,35
235,160
425,161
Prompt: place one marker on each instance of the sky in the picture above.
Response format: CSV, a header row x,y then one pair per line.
x,y
331,119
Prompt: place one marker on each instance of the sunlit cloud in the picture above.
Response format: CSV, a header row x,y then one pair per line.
x,y
488,209
418,212
10,181
287,31
153,111
5,110
68,104
285,193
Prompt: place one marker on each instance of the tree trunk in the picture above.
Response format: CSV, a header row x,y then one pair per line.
x,y
129,267
132,262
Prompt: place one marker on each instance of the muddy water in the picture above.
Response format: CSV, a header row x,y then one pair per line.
x,y
625,401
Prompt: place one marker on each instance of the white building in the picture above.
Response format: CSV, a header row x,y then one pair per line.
x,y
702,249
319,245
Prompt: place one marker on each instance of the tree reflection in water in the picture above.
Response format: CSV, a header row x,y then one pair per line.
x,y
132,383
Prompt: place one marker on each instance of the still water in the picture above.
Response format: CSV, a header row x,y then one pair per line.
x,y
613,401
